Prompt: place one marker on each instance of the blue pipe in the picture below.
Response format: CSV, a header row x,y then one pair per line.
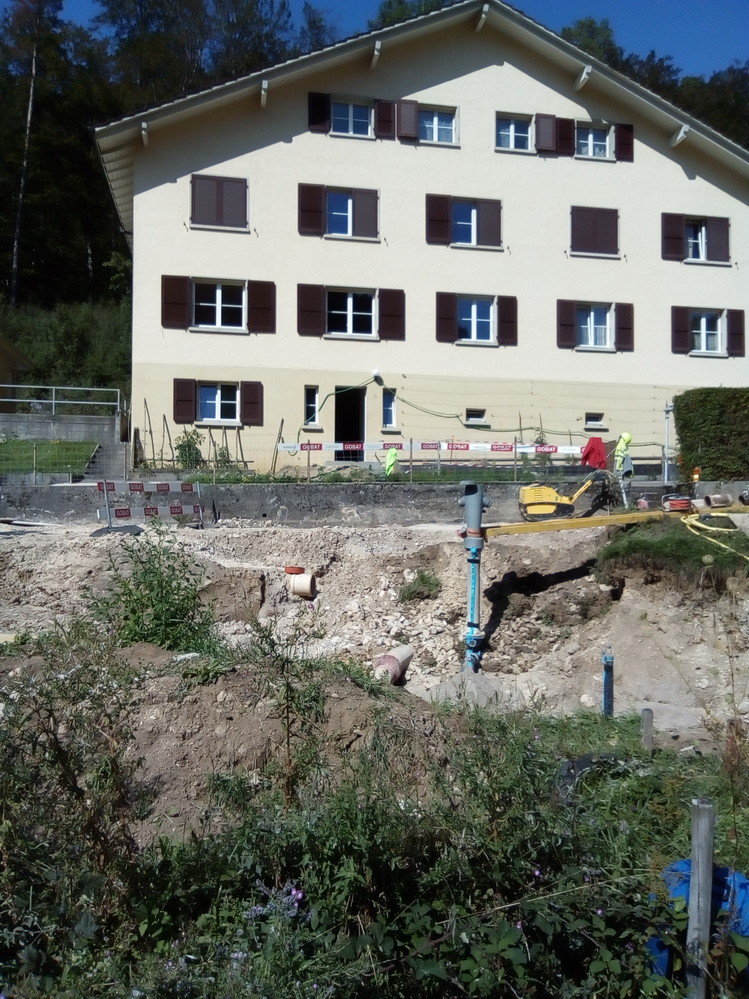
x,y
607,659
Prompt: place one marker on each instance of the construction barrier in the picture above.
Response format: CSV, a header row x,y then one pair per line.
x,y
451,445
121,512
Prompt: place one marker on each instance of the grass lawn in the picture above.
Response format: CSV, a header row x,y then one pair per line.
x,y
44,456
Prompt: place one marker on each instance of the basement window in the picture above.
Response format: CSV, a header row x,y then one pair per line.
x,y
595,421
475,416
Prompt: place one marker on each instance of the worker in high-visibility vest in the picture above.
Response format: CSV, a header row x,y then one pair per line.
x,y
623,467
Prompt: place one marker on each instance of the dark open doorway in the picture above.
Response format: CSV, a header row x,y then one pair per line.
x,y
349,420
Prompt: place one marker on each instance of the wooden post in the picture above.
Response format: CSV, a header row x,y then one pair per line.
x,y
646,730
700,896
411,458
309,470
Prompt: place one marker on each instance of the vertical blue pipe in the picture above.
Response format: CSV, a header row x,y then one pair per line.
x,y
607,659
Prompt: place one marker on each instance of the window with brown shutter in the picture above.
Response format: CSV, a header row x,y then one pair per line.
x,y
364,221
408,120
219,201
489,223
690,237
311,210
507,331
392,314
546,133
681,330
447,317
354,213
716,231
735,332
565,137
310,309
176,302
318,112
566,324
624,333
673,239
384,119
185,395
261,314
594,230
251,404
624,142
438,221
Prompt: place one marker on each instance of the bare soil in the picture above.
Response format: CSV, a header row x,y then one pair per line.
x,y
682,654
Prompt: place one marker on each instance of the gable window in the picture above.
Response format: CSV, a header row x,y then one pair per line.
x,y
475,319
311,405
218,201
436,125
513,133
328,211
350,312
594,230
695,238
595,325
593,141
349,118
219,305
463,222
388,409
217,403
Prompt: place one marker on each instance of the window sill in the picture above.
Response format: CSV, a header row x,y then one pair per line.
x,y
441,145
596,428
209,424
351,239
392,431
197,226
694,262
312,428
586,348
707,353
509,149
476,343
350,135
233,330
595,159
595,256
476,246
370,337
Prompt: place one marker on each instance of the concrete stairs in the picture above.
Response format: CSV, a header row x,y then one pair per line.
x,y
107,462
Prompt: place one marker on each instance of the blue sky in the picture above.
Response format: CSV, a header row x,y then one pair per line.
x,y
701,35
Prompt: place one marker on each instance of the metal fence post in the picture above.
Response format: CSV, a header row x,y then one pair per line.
x,y
700,896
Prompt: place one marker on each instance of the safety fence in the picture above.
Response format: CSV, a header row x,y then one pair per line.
x,y
115,510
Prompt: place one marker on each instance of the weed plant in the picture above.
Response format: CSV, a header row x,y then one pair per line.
x,y
424,586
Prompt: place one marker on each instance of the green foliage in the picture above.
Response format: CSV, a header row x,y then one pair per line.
x,y
187,446
712,425
669,546
424,586
154,595
394,11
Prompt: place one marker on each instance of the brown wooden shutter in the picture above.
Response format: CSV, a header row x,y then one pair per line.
x,y
507,332
205,198
233,206
311,215
384,119
566,324
594,230
392,314
681,331
735,332
673,237
185,400
365,213
318,111
624,142
251,404
438,219
489,223
624,332
176,302
261,315
408,120
565,139
310,309
447,317
717,239
546,133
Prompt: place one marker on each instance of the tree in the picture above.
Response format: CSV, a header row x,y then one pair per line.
x,y
316,32
597,39
722,102
247,35
393,11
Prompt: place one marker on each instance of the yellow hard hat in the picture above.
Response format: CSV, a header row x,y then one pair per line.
x,y
626,437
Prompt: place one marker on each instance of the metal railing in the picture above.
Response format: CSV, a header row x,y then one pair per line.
x,y
52,397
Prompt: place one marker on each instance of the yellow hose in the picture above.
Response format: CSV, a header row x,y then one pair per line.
x,y
698,527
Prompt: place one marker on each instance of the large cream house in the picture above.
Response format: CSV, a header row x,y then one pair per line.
x,y
435,232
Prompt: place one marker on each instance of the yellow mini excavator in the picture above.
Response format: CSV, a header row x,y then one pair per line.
x,y
541,502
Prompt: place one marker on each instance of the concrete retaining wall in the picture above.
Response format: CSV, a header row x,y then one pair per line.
x,y
306,505
44,426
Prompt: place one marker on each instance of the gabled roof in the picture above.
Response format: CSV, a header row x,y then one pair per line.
x,y
118,141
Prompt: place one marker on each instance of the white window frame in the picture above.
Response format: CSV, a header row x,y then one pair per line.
x,y
477,323
588,336
389,416
350,312
700,322
475,417
351,122
588,151
595,420
695,230
218,306
348,215
220,399
429,130
514,120
470,227
311,405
